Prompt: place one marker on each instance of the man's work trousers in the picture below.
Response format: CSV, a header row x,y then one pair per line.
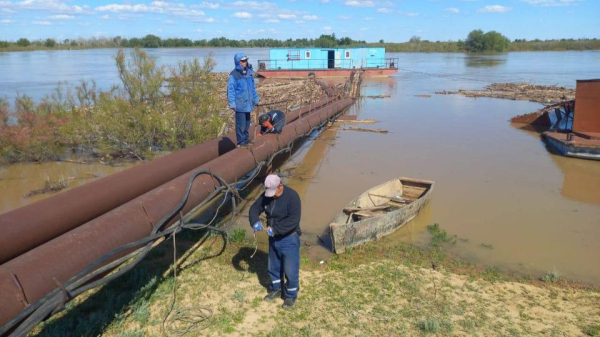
x,y
284,264
242,124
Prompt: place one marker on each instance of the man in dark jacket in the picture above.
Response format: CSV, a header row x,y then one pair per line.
x,y
242,96
282,207
272,121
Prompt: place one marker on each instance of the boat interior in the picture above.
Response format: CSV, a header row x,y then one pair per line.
x,y
384,198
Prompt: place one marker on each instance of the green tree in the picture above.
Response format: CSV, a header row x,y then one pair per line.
x,y
23,42
492,41
326,41
151,41
50,43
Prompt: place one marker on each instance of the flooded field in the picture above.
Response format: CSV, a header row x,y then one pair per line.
x,y
512,204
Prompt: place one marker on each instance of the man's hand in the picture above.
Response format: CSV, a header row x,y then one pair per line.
x,y
257,226
270,231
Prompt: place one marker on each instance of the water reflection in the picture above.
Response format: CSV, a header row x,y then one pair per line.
x,y
581,180
484,61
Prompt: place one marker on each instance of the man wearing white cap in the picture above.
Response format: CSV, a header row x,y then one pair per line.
x,y
282,206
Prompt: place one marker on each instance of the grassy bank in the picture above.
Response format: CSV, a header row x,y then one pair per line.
x,y
376,289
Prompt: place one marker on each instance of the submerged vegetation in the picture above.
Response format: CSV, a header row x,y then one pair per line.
x,y
136,119
476,41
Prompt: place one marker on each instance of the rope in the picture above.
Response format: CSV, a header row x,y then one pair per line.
x,y
192,318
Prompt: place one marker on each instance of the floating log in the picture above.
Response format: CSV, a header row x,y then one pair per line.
x,y
366,129
358,121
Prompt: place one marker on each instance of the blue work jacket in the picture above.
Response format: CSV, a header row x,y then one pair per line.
x,y
241,90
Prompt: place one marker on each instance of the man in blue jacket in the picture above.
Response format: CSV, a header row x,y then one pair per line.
x,y
282,207
241,96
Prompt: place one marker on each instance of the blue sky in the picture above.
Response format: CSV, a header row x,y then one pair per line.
x,y
370,20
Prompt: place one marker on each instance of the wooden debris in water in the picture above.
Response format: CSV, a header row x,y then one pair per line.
x,y
51,186
366,129
358,121
519,91
423,96
378,96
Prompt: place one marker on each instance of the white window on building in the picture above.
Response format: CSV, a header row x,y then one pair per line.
x,y
307,54
293,54
347,54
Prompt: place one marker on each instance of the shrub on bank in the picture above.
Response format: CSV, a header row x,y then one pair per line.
x,y
143,115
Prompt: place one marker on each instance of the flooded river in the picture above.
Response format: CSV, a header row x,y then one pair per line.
x,y
512,204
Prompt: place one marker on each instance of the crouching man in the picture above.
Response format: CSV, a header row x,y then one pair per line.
x,y
282,206
272,121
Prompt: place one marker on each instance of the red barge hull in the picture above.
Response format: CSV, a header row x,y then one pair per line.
x,y
322,73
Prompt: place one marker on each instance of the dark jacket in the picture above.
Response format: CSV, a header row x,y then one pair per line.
x,y
277,120
283,213
241,90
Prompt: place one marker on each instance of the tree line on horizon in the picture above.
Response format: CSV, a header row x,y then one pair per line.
x,y
476,42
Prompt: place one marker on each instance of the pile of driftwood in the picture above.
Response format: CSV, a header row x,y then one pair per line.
x,y
545,94
275,94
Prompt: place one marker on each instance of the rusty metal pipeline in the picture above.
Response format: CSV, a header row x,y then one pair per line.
x,y
30,226
30,276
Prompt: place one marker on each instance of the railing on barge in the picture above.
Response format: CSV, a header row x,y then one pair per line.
x,y
326,64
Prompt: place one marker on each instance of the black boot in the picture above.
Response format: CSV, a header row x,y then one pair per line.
x,y
273,295
288,303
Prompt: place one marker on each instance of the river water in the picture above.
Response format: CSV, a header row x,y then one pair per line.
x,y
512,203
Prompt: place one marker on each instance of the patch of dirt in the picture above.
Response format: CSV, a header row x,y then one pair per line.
x,y
545,94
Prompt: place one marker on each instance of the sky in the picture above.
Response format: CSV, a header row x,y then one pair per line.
x,y
369,20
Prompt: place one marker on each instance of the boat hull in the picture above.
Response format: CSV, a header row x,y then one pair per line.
x,y
323,73
345,235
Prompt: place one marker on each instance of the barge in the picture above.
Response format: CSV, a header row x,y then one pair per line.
x,y
326,62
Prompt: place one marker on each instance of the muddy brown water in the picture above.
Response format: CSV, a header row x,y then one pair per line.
x,y
17,180
515,205
512,203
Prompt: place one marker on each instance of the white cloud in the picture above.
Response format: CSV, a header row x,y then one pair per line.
x,y
411,14
42,23
139,8
207,5
344,17
368,18
452,10
286,16
357,3
42,5
243,15
272,21
105,17
324,1
552,3
327,28
384,10
61,17
254,6
6,21
494,9
310,17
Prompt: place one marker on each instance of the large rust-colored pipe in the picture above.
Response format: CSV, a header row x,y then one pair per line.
x,y
30,226
30,276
